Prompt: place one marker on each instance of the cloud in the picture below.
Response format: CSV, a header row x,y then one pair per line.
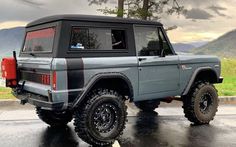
x,y
217,10
29,10
114,2
33,3
196,13
97,2
12,24
204,21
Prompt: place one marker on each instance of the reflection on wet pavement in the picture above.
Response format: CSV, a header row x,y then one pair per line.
x,y
143,130
151,130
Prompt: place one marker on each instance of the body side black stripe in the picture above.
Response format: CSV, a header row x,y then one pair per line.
x,y
75,76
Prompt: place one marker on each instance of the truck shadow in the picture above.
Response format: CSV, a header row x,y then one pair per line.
x,y
58,137
141,130
61,137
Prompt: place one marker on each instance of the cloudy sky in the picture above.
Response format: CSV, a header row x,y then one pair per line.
x,y
205,20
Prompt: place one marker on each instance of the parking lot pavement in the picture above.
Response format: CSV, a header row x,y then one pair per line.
x,y
164,127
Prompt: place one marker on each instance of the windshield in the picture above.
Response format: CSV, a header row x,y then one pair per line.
x,y
39,41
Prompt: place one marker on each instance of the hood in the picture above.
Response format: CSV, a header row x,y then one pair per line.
x,y
198,59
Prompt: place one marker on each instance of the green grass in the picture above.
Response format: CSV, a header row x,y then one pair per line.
x,y
228,87
5,93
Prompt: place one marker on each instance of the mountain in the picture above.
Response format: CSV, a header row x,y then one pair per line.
x,y
11,39
198,44
224,46
187,47
182,47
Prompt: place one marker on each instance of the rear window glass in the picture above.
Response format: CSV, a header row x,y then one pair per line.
x,y
39,41
97,39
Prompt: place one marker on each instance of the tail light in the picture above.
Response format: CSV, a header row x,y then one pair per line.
x,y
9,72
45,79
54,80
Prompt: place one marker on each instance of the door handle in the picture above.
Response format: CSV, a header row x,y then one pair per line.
x,y
141,59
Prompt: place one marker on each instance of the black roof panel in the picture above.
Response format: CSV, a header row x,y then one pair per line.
x,y
74,17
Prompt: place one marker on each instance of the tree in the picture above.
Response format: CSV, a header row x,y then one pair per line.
x,y
120,11
145,8
142,9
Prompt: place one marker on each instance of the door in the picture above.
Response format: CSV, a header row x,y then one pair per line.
x,y
158,64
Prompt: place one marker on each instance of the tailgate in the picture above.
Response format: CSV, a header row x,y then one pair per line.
x,y
36,73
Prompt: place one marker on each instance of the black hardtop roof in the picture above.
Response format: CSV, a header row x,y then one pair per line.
x,y
91,18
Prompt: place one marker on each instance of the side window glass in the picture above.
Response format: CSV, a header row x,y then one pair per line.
x,y
165,44
97,39
147,41
118,39
100,39
79,38
150,41
93,38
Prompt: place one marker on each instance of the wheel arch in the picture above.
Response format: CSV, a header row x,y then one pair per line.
x,y
204,74
116,81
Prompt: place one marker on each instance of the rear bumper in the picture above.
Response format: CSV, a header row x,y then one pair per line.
x,y
38,101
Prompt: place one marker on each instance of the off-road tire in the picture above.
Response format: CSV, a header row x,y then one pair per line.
x,y
101,118
53,118
147,105
200,105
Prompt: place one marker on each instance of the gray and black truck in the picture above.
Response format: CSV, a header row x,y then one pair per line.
x,y
85,67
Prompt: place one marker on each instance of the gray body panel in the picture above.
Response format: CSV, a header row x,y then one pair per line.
x,y
153,78
158,74
123,65
47,64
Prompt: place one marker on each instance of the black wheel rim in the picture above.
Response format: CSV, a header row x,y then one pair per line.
x,y
105,118
205,103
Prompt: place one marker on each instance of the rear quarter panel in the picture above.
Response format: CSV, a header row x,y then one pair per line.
x,y
124,65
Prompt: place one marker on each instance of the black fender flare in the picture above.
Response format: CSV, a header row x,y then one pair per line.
x,y
98,77
193,77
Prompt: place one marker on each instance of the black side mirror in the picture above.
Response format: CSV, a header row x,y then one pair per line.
x,y
161,46
163,54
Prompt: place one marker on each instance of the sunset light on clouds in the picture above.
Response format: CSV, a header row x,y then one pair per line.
x,y
204,21
12,24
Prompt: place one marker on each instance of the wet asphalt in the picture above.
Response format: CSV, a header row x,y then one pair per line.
x,y
166,127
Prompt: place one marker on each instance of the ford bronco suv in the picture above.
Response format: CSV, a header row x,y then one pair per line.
x,y
85,67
